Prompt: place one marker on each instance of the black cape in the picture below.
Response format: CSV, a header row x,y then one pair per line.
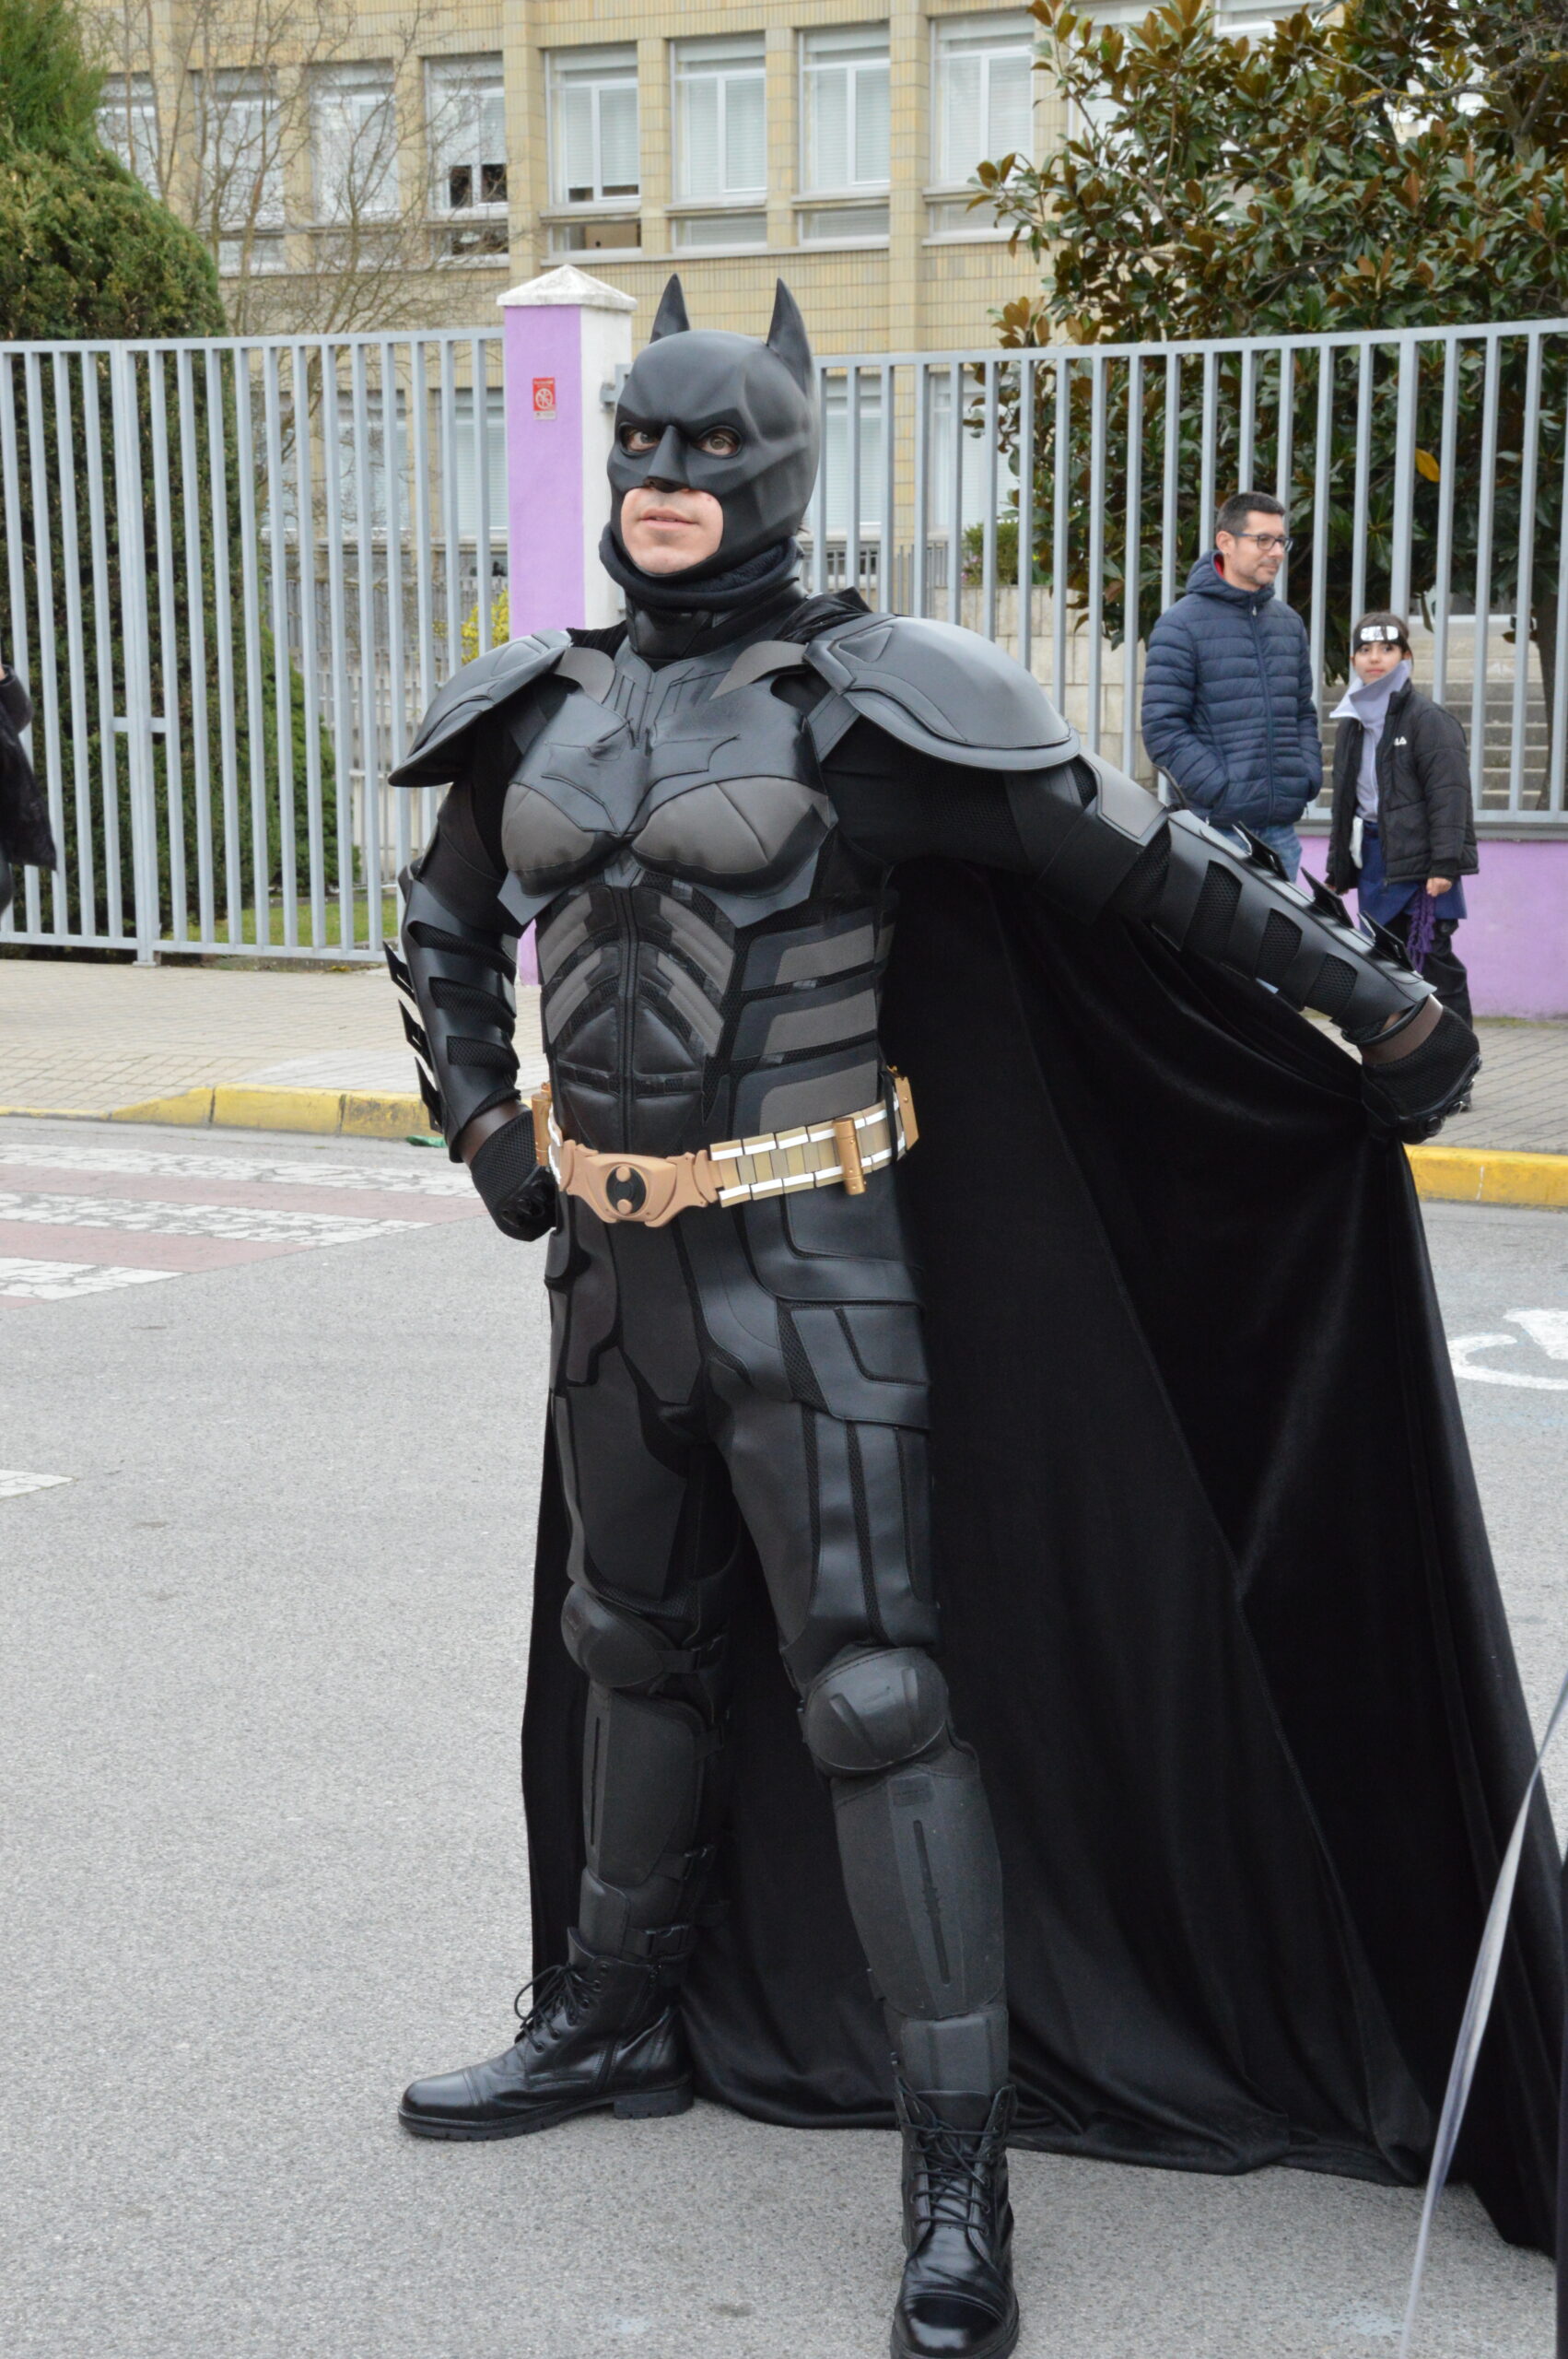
x,y
1219,1614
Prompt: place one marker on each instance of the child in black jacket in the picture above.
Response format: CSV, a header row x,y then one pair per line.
x,y
1402,829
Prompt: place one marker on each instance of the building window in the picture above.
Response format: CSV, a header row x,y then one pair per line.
x,y
728,229
127,124
467,118
844,108
719,119
983,102
842,224
593,127
239,146
354,143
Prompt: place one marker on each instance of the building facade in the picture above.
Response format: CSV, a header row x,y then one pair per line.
x,y
400,166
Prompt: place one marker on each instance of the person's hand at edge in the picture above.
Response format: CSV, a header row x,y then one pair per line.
x,y
518,1192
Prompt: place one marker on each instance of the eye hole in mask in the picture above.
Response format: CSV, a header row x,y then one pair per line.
x,y
719,442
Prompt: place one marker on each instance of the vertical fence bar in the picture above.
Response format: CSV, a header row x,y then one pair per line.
x,y
196,642
450,505
19,650
1484,513
103,640
47,689
1205,498
1285,455
1524,592
1170,517
71,572
332,457
1061,494
1404,476
282,670
1096,547
401,812
309,654
887,539
251,623
955,538
1322,486
1443,589
131,549
852,428
993,495
922,399
365,545
1363,483
168,649
1246,435
1026,393
1559,753
479,364
819,495
223,629
1131,592
419,403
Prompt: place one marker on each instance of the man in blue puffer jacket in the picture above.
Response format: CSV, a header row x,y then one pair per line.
x,y
1229,710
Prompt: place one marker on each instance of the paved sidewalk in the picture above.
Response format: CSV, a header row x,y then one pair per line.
x,y
323,1050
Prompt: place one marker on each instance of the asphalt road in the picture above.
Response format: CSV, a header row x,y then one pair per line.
x,y
262,1851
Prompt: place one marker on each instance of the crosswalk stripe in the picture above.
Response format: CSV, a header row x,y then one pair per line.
x,y
432,1179
239,1224
24,1281
12,1483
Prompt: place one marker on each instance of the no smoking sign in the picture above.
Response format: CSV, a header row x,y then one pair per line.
x,y
543,397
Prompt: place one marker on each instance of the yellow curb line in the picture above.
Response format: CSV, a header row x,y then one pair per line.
x,y
1480,1175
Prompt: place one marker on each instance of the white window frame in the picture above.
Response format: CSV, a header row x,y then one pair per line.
x,y
456,91
597,69
688,66
220,102
359,93
1004,33
850,50
127,121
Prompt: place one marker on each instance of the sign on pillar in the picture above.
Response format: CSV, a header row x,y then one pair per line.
x,y
566,335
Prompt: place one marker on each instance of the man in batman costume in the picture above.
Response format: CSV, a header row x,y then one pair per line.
x,y
1215,1605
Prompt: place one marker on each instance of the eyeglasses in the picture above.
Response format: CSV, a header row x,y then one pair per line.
x,y
1280,541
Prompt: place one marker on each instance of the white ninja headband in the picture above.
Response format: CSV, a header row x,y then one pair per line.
x,y
1379,635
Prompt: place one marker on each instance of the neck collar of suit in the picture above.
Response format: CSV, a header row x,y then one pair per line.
x,y
669,617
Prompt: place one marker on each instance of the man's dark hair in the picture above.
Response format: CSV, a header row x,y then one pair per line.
x,y
1233,516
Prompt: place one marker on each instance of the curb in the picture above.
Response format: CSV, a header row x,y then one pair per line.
x,y
1463,1174
346,1113
1480,1175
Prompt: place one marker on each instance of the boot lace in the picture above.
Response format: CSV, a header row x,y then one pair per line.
x,y
956,2167
565,1987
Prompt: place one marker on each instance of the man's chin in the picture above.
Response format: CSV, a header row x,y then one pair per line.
x,y
661,561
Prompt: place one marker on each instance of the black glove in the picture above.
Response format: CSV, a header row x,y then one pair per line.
x,y
519,1191
1408,1096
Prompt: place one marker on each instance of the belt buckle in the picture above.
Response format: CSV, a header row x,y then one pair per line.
x,y
648,1188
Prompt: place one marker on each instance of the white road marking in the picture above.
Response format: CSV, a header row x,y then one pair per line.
x,y
439,1177
236,1224
1463,1348
1548,1329
56,1281
13,1485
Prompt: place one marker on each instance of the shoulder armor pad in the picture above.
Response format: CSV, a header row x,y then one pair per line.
x,y
946,691
470,697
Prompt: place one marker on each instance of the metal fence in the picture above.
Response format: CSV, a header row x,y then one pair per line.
x,y
236,572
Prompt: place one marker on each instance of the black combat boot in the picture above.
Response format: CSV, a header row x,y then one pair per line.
x,y
956,2301
601,2031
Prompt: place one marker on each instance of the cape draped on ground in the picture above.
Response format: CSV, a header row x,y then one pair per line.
x,y
1219,1614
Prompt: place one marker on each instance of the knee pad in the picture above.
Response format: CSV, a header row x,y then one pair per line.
x,y
614,1648
867,1712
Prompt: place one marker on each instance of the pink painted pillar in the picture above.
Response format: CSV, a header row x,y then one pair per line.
x,y
566,333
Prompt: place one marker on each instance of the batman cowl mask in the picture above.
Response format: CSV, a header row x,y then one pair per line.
x,y
689,381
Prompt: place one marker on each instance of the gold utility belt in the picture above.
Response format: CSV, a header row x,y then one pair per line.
x,y
653,1188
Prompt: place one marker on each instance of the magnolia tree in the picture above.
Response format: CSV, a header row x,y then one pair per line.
x,y
1388,164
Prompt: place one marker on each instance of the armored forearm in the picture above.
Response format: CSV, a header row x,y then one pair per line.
x,y
1110,845
456,979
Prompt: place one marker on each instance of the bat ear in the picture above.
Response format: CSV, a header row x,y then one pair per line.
x,y
787,337
671,317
